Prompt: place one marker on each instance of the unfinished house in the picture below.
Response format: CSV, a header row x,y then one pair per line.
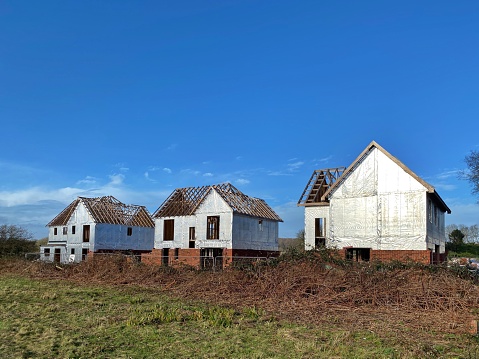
x,y
212,225
375,209
98,225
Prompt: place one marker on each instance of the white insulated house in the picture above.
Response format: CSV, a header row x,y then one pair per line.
x,y
376,209
216,222
95,225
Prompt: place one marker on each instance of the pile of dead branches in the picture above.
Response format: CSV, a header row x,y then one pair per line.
x,y
309,290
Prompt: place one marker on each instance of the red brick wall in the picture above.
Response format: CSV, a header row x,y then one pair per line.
x,y
418,256
188,256
253,253
191,256
152,258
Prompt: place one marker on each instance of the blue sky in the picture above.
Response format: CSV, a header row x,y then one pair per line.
x,y
136,98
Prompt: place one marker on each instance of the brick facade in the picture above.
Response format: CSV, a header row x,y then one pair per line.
x,y
192,256
418,256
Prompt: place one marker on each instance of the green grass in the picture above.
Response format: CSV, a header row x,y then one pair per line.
x,y
59,319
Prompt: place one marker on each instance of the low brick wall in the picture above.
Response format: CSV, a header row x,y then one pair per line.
x,y
152,258
191,256
187,256
418,256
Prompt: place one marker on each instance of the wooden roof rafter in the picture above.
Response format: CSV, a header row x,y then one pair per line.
x,y
318,184
64,216
182,202
185,201
107,209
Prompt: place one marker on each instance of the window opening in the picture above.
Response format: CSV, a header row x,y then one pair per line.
x,y
168,229
319,232
192,237
211,258
57,256
213,227
358,254
129,231
65,230
86,233
73,229
429,210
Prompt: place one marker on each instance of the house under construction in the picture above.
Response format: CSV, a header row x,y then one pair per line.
x,y
375,209
98,225
213,224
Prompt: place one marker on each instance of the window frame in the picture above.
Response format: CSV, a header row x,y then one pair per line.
x,y
213,227
191,237
168,229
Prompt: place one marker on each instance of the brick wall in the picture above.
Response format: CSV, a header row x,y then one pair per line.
x,y
154,257
191,256
187,256
418,256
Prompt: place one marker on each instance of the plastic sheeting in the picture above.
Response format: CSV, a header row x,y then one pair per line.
x,y
382,205
379,206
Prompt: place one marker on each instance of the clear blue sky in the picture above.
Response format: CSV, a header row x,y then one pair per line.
x,y
136,98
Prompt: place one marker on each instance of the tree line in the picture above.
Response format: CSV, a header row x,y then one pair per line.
x,y
470,234
16,241
462,241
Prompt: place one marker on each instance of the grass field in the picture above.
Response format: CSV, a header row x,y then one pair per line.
x,y
45,318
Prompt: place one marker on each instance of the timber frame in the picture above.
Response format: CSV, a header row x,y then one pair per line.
x,y
185,201
107,209
319,183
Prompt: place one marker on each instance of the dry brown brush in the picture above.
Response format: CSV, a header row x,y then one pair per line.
x,y
308,290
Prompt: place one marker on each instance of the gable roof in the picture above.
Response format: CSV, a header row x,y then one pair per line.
x,y
106,210
430,189
185,201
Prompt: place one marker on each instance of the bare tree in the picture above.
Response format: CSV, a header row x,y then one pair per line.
x,y
474,233
471,233
11,231
15,241
472,175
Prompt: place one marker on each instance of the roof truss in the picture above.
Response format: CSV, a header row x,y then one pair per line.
x,y
319,182
185,201
107,210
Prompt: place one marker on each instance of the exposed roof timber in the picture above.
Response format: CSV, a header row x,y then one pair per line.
x,y
107,210
185,201
318,184
62,218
